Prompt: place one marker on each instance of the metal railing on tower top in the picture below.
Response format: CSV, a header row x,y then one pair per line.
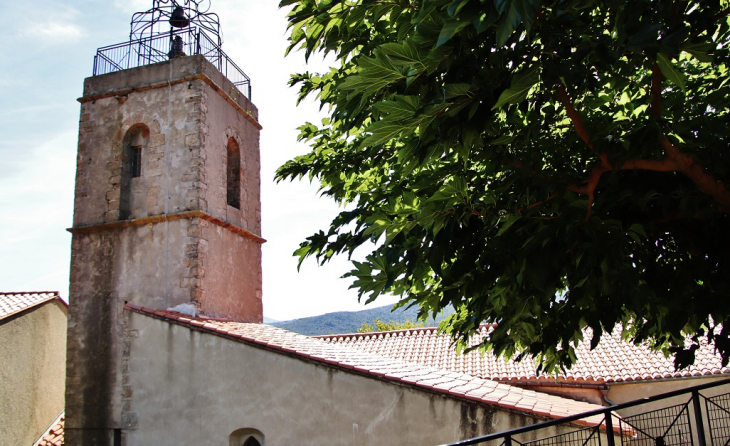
x,y
165,46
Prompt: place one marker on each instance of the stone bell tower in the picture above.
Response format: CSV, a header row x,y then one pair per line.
x,y
167,208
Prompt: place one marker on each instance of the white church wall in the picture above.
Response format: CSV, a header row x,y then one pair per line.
x,y
184,386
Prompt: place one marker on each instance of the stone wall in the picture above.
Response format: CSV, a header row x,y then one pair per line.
x,y
184,163
32,372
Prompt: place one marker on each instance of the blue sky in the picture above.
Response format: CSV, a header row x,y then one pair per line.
x,y
47,51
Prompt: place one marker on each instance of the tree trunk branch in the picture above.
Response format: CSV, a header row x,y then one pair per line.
x,y
705,182
674,161
656,91
517,211
574,116
589,187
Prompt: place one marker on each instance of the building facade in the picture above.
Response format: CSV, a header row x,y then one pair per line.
x,y
32,364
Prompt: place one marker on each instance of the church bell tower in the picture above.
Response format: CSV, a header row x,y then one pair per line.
x,y
167,210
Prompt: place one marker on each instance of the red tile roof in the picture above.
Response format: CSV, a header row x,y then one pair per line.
x,y
12,303
613,360
458,385
54,436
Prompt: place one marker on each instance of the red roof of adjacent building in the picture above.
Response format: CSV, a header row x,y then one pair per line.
x,y
13,303
454,384
54,436
613,360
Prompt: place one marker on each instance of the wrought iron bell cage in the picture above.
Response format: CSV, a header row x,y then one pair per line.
x,y
172,29
164,13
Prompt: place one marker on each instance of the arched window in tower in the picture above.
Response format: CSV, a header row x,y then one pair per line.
x,y
233,174
133,146
246,437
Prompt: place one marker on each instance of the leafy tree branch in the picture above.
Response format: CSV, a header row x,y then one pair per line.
x,y
543,165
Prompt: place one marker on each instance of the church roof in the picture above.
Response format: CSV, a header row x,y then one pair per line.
x,y
612,361
421,377
13,303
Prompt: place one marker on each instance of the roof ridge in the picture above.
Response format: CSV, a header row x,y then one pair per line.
x,y
355,335
13,303
456,385
403,330
57,293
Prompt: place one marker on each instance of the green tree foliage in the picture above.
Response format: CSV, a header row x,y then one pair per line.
x,y
389,326
545,165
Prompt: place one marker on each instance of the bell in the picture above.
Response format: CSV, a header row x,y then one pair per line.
x,y
178,19
177,48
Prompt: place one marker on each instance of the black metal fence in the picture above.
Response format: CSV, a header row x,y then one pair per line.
x,y
159,48
689,423
718,417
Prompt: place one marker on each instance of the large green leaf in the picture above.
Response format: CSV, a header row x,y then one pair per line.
x,y
521,84
373,74
455,90
450,29
384,131
402,107
507,24
701,51
670,71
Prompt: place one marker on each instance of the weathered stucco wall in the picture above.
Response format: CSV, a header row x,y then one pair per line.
x,y
94,322
623,393
32,372
190,387
593,395
233,270
142,239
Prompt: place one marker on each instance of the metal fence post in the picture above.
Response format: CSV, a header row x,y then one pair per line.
x,y
698,418
609,429
508,441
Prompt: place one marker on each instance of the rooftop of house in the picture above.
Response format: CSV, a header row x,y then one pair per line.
x,y
612,361
426,378
54,436
15,302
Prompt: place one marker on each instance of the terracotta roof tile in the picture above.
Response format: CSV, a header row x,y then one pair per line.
x,y
424,377
54,436
12,303
613,360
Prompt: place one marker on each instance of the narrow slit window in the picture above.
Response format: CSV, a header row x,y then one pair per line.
x,y
233,174
136,167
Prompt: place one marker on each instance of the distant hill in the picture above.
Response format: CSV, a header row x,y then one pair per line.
x,y
349,321
268,320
